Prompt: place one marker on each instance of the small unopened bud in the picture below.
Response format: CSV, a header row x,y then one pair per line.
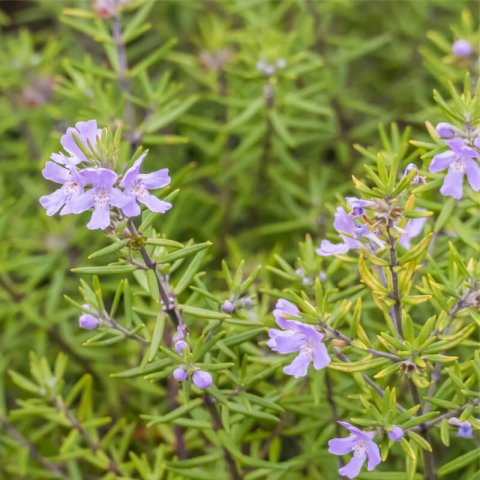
x,y
180,346
462,48
445,130
281,63
228,306
180,374
202,379
88,321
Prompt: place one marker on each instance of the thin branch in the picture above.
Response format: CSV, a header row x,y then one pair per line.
x,y
217,425
32,449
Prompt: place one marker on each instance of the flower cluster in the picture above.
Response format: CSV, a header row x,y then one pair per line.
x,y
461,159
352,230
269,69
200,378
297,337
107,190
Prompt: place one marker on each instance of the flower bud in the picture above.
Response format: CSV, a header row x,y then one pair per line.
x,y
88,322
180,374
228,306
202,379
445,130
180,346
395,434
462,48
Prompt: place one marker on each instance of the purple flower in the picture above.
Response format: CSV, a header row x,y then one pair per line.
x,y
297,337
413,228
465,430
180,374
100,197
87,133
72,187
342,223
202,379
459,161
395,434
136,186
362,446
445,130
88,321
462,48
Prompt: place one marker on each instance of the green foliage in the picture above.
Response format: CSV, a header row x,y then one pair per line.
x,y
259,161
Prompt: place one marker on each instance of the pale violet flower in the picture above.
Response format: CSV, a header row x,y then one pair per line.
x,y
87,133
101,196
136,186
72,187
341,223
465,429
363,448
299,338
460,161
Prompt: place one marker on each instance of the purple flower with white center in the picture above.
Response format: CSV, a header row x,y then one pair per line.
x,y
72,187
87,133
459,161
342,223
88,321
445,130
101,197
395,433
362,446
413,229
297,337
180,374
136,186
202,379
465,429
462,48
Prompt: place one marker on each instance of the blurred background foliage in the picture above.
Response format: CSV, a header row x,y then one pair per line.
x,y
260,156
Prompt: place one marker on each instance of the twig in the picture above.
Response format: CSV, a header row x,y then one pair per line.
x,y
217,425
34,453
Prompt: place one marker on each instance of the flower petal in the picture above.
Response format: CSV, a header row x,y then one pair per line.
x,y
441,161
99,177
132,173
453,184
100,218
341,446
56,173
119,199
157,179
342,222
53,202
285,308
353,467
472,170
289,342
132,209
373,454
82,202
320,356
299,366
328,248
155,204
